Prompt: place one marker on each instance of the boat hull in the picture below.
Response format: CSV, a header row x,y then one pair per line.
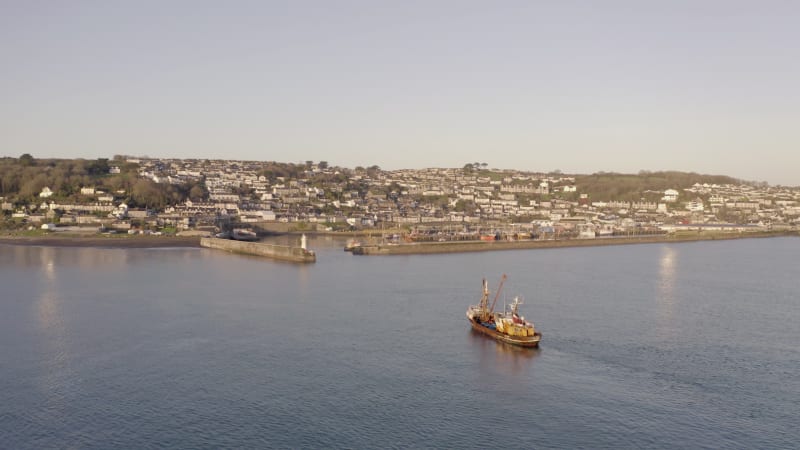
x,y
526,341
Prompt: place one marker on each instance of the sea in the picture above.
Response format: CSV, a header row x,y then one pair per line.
x,y
673,345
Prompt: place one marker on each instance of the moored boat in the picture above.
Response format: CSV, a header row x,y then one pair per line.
x,y
507,326
242,234
352,244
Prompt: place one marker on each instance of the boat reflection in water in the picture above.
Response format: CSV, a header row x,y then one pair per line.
x,y
501,358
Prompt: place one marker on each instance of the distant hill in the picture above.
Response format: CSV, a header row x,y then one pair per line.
x,y
21,180
605,186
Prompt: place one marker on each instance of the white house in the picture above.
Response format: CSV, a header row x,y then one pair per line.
x,y
46,192
695,205
670,196
120,212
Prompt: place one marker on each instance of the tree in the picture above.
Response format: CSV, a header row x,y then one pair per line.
x,y
99,167
32,185
146,193
466,207
197,193
27,160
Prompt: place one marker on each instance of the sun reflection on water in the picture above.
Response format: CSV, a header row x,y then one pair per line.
x,y
50,317
665,300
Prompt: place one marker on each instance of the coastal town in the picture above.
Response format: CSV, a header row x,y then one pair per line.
x,y
433,204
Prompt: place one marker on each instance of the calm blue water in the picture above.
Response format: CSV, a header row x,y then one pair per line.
x,y
664,345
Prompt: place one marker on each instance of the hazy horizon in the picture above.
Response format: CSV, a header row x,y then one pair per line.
x,y
623,86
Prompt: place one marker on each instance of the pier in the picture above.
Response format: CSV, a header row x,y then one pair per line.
x,y
279,252
485,246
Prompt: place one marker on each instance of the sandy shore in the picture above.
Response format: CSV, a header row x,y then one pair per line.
x,y
103,241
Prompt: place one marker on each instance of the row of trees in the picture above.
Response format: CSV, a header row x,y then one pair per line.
x,y
23,178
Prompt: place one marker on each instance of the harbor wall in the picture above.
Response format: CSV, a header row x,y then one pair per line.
x,y
483,246
280,252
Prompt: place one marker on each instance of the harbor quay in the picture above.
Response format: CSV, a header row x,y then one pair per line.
x,y
483,246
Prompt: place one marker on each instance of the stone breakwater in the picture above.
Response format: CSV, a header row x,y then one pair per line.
x,y
483,246
279,252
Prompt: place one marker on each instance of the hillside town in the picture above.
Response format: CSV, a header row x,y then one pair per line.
x,y
435,203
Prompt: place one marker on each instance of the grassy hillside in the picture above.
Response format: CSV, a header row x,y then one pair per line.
x,y
648,185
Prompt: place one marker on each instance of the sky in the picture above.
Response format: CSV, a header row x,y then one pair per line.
x,y
577,86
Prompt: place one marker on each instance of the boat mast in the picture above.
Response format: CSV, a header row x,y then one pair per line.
x,y
497,294
484,305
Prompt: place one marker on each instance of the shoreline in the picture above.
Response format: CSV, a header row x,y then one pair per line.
x,y
138,241
104,241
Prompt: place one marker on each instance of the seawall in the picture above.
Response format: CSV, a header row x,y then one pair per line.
x,y
484,246
280,252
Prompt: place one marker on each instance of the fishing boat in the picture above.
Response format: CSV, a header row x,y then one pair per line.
x,y
507,326
352,244
243,234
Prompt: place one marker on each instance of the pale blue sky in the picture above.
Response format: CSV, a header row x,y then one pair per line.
x,y
579,86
